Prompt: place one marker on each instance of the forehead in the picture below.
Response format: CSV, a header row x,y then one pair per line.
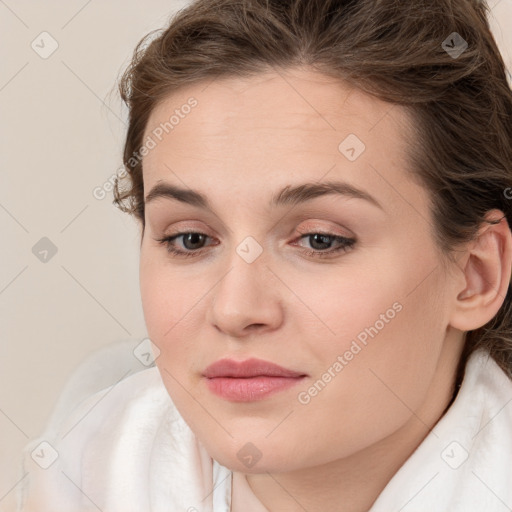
x,y
277,128
277,100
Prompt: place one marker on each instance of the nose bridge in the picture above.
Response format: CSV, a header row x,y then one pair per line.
x,y
244,296
244,280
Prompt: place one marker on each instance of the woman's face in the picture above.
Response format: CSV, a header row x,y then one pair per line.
x,y
362,320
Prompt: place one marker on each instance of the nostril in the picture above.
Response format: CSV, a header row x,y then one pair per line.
x,y
254,326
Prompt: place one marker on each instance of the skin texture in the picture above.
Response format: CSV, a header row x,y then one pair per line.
x,y
246,139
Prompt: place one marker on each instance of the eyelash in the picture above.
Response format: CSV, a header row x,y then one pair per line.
x,y
346,244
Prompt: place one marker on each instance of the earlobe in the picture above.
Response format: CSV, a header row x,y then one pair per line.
x,y
486,274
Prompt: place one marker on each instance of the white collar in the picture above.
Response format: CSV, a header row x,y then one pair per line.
x,y
130,450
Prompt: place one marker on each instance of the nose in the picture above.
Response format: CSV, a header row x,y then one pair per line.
x,y
246,300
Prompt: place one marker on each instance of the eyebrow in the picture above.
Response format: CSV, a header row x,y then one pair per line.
x,y
289,195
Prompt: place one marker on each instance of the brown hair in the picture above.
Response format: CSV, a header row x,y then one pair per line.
x,y
400,52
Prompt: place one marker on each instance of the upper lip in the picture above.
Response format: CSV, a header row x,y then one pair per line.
x,y
248,368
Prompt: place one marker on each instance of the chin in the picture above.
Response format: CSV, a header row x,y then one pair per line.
x,y
254,455
261,466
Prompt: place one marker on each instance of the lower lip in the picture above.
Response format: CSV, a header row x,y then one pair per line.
x,y
250,389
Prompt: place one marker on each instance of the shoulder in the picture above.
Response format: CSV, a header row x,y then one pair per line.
x,y
486,390
137,400
113,405
491,377
106,441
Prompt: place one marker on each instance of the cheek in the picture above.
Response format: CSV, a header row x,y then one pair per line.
x,y
384,318
388,334
168,294
157,300
355,301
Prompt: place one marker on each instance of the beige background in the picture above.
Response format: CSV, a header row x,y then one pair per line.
x,y
61,138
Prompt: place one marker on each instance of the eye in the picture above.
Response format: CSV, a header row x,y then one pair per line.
x,y
318,240
193,243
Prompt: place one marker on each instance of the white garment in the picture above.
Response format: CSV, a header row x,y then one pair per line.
x,y
127,449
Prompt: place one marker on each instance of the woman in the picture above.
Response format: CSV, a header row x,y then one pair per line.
x,y
323,189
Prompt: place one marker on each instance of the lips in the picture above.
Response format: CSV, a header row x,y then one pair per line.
x,y
247,369
249,380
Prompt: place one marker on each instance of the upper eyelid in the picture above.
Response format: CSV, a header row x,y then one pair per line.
x,y
306,209
307,229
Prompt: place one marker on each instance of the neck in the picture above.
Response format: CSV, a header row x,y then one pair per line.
x,y
356,481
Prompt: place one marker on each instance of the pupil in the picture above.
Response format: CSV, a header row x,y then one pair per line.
x,y
191,237
323,239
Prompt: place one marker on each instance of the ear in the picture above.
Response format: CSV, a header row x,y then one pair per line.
x,y
487,266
